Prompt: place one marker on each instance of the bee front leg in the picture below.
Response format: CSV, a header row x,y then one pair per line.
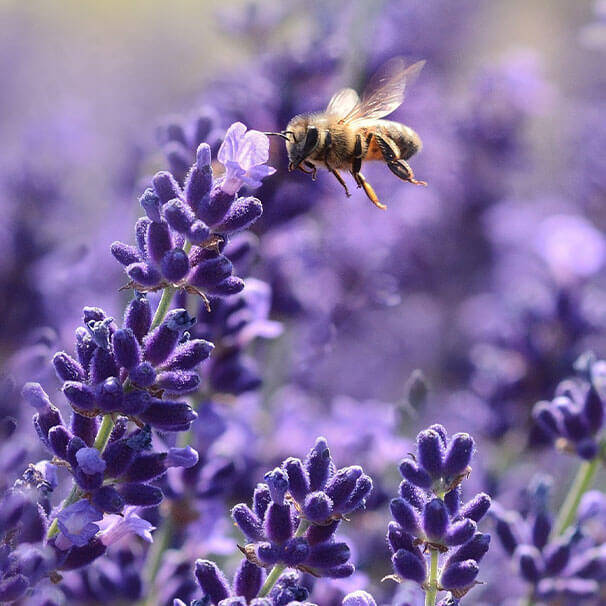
x,y
396,165
339,178
314,170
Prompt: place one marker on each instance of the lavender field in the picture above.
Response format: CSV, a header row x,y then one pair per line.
x,y
225,382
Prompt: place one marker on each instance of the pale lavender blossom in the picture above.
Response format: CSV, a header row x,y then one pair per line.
x,y
244,155
77,524
116,527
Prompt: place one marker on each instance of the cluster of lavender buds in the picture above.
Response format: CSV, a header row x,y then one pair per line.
x,y
431,517
574,418
297,511
181,241
556,563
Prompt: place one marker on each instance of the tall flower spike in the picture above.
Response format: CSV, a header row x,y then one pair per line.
x,y
292,525
431,518
180,242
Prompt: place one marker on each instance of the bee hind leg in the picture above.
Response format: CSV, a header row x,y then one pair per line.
x,y
396,165
368,190
401,169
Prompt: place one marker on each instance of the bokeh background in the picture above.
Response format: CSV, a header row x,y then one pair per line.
x,y
491,280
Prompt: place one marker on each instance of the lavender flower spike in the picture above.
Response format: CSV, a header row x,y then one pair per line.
x,y
244,155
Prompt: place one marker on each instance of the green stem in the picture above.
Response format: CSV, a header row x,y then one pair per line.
x,y
104,432
278,569
73,496
582,482
432,584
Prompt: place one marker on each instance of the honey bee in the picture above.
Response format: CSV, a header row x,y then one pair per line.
x,y
351,130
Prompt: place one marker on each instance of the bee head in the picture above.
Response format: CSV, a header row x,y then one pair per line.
x,y
301,139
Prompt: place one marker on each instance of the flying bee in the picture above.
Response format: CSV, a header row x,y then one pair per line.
x,y
351,131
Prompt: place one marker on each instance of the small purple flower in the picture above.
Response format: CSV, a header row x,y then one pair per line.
x,y
244,155
90,461
77,523
116,527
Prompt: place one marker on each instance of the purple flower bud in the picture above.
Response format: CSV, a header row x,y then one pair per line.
x,y
78,557
168,416
318,507
504,528
431,452
587,449
571,589
88,482
328,555
188,355
477,508
226,288
85,347
125,254
319,465
460,532
341,486
58,438
475,549
151,204
67,368
178,215
358,598
211,209
546,418
278,523
452,500
90,461
142,495
146,467
435,519
138,316
165,186
143,274
199,180
441,431
37,397
556,556
211,271
199,232
135,402
175,265
143,375
102,366
108,499
575,426
182,457
118,456
459,575
163,340
277,482
409,492
177,382
357,498
541,529
79,395
405,515
414,474
267,553
458,455
248,522
212,581
241,215
73,446
158,241
110,395
141,227
294,552
248,580
126,348
593,410
408,566
339,572
298,480
261,499
398,539
529,561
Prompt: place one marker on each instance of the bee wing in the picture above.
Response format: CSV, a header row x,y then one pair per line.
x,y
343,102
385,90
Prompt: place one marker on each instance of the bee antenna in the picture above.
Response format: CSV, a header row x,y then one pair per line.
x,y
283,134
